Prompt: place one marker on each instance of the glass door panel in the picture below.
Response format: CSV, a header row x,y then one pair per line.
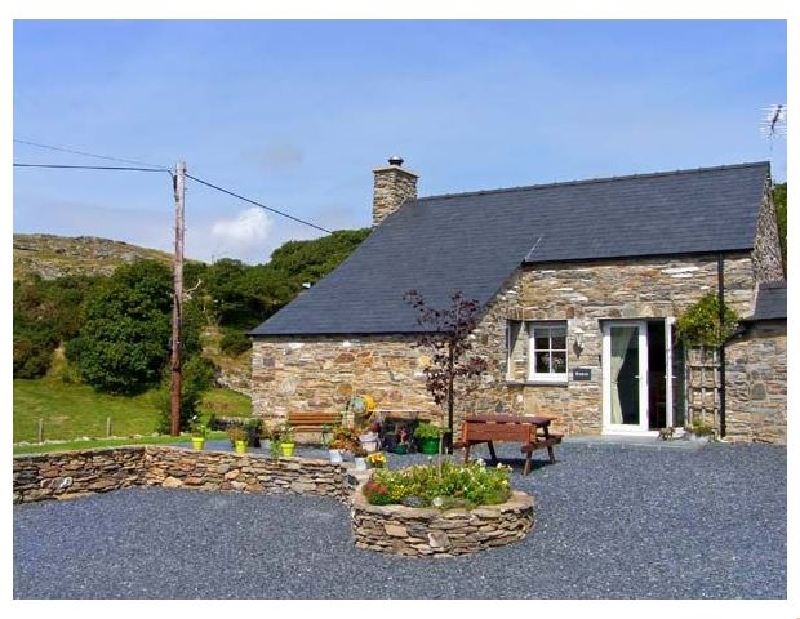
x,y
625,392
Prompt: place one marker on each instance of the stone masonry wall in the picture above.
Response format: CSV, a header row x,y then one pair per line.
x,y
80,473
248,473
400,530
755,368
322,372
767,261
77,473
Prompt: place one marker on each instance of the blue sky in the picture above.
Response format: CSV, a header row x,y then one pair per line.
x,y
295,114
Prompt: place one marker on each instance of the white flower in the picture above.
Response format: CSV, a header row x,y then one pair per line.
x,y
499,465
480,462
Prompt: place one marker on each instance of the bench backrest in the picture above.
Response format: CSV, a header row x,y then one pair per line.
x,y
314,418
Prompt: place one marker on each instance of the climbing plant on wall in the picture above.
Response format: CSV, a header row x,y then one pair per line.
x,y
699,325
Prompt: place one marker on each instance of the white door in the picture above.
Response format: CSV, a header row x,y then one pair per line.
x,y
625,390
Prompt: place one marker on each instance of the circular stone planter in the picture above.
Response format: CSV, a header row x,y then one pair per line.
x,y
408,531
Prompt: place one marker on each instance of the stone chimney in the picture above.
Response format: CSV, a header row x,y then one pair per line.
x,y
393,186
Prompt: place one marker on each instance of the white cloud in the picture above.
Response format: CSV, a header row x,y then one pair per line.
x,y
247,230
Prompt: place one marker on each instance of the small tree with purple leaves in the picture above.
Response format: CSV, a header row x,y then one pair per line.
x,y
446,335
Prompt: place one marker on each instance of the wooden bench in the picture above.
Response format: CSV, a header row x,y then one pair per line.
x,y
313,420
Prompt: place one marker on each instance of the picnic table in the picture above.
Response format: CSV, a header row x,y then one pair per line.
x,y
532,432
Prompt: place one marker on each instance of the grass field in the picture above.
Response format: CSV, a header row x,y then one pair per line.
x,y
114,442
71,411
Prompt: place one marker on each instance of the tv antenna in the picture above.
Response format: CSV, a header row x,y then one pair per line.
x,y
773,123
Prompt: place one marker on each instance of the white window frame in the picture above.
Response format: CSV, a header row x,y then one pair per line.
x,y
546,377
531,375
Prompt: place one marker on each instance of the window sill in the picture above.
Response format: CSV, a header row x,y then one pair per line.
x,y
539,382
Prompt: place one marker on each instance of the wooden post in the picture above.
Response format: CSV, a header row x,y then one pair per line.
x,y
179,186
41,429
108,427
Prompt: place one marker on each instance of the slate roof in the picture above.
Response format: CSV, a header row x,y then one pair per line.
x,y
474,241
770,301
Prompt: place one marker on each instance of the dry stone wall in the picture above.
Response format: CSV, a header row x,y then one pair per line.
x,y
80,473
400,530
76,473
249,474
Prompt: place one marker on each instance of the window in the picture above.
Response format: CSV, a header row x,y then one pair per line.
x,y
537,351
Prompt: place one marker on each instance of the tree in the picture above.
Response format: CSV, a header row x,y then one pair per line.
x,y
124,342
447,336
779,198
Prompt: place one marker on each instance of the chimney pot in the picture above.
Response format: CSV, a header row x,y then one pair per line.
x,y
395,160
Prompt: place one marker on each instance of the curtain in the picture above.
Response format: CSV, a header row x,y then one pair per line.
x,y
621,338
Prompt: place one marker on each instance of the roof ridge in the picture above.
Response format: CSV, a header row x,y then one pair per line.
x,y
609,179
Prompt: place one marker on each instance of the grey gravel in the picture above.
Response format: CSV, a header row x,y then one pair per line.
x,y
613,522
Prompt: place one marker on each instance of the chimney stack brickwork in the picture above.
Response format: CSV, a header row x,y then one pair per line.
x,y
393,186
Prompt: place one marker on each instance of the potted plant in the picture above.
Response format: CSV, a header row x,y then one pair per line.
x,y
335,449
198,435
376,460
699,432
360,455
401,440
239,439
369,438
287,440
344,440
274,435
428,437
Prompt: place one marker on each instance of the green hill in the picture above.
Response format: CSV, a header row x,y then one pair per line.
x,y
52,256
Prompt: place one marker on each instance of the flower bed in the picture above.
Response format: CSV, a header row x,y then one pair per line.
x,y
445,510
444,485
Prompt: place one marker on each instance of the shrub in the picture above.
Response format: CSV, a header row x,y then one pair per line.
x,y
473,483
234,343
699,325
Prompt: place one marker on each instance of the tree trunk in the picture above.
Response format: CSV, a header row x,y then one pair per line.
x,y
450,377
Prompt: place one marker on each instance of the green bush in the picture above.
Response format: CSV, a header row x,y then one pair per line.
x,y
234,343
699,325
31,358
473,483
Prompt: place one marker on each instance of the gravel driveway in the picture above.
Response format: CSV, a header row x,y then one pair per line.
x,y
613,522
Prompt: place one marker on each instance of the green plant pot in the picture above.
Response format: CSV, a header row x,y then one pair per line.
x,y
429,445
241,447
287,449
198,442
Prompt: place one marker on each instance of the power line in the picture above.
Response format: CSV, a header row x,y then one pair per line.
x,y
58,166
236,195
86,154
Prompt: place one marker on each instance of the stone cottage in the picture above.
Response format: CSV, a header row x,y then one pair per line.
x,y
580,285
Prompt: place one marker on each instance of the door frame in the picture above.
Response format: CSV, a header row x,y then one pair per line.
x,y
642,429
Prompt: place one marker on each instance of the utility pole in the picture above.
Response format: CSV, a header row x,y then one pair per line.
x,y
179,187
